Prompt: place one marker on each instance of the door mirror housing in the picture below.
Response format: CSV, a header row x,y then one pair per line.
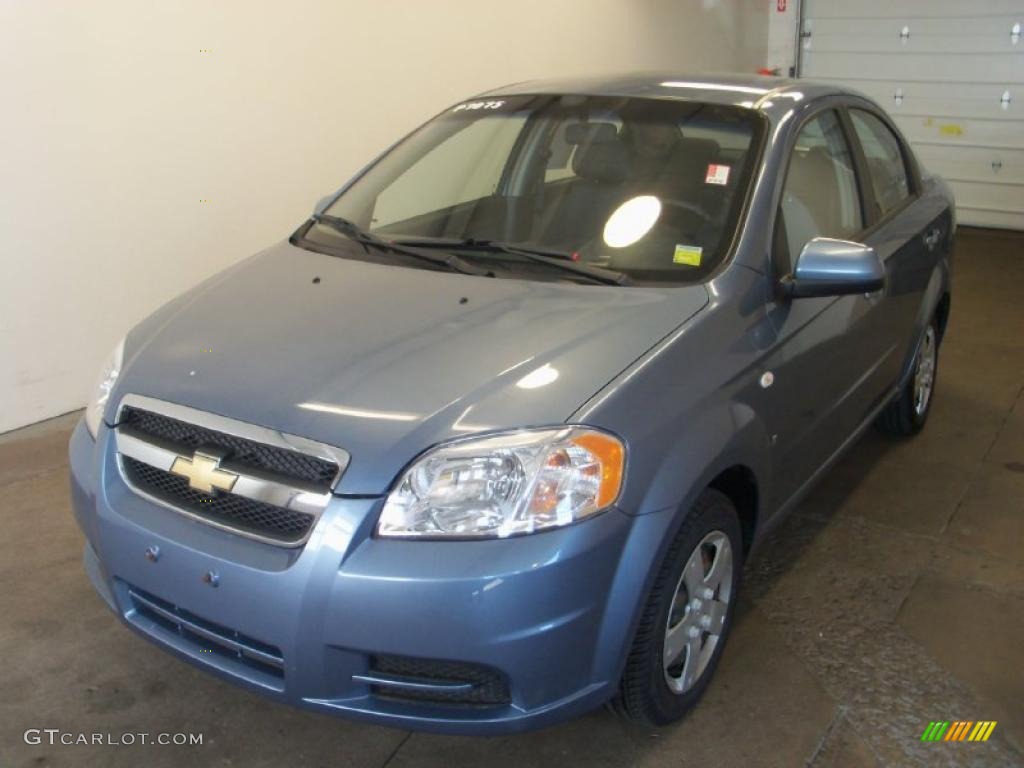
x,y
828,267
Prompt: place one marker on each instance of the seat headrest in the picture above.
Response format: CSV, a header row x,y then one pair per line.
x,y
702,148
811,171
582,133
604,161
684,169
690,158
812,182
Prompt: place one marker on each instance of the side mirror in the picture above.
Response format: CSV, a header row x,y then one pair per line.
x,y
322,203
828,267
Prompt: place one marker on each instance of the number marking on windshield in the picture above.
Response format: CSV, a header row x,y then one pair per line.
x,y
473,105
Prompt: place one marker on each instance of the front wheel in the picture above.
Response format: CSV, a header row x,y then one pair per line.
x,y
687,616
907,414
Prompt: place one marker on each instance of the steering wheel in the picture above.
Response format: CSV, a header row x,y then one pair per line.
x,y
696,210
672,232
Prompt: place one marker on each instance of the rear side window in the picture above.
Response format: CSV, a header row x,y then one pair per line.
x,y
820,196
885,160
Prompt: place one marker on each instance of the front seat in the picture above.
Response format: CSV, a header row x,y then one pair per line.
x,y
683,174
812,204
601,169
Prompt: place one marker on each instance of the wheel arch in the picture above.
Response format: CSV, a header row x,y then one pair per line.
x,y
935,304
735,466
942,313
739,484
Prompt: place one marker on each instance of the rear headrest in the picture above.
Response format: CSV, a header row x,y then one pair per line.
x,y
702,148
605,161
581,133
811,173
690,159
686,164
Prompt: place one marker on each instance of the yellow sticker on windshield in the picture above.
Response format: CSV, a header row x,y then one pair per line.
x,y
688,254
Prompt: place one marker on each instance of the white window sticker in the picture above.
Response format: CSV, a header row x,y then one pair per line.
x,y
475,105
717,174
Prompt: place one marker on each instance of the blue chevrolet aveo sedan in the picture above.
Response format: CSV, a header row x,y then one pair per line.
x,y
485,443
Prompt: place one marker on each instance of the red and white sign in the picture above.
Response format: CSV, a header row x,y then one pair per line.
x,y
717,174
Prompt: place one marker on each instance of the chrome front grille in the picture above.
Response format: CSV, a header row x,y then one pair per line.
x,y
246,515
269,486
245,453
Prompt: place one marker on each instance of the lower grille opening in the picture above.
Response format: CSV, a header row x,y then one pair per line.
x,y
472,685
208,637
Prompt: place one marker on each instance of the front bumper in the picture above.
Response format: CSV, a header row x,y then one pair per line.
x,y
551,613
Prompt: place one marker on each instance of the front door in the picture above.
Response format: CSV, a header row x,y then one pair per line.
x,y
824,370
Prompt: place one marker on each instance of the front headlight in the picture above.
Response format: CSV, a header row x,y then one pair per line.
x,y
507,484
108,376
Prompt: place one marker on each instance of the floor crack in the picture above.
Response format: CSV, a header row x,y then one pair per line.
x,y
394,752
837,718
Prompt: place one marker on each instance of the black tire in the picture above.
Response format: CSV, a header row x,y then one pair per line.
x,y
902,418
644,693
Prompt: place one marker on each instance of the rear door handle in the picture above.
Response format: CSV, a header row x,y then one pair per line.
x,y
932,239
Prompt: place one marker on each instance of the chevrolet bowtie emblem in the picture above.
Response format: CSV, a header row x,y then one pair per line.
x,y
203,472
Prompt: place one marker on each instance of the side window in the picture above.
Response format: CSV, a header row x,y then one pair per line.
x,y
885,160
820,197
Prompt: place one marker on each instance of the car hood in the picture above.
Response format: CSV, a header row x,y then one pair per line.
x,y
386,361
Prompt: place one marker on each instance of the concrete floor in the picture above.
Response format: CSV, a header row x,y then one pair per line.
x,y
894,596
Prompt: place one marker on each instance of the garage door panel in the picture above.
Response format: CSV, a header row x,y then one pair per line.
x,y
973,163
949,109
944,45
983,98
991,29
950,9
987,218
962,131
954,83
941,100
999,197
998,68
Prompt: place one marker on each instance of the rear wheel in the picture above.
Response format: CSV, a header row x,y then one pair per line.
x,y
907,414
687,616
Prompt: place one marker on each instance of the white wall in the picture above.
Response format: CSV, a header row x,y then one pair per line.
x,y
147,145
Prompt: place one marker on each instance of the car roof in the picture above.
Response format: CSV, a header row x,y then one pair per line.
x,y
773,96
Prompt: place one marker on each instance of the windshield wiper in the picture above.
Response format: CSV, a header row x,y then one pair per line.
x,y
552,258
353,231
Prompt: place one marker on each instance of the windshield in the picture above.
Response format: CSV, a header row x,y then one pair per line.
x,y
649,188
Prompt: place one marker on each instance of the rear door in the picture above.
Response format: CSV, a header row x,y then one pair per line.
x,y
907,229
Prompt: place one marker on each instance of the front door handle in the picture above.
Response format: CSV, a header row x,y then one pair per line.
x,y
932,239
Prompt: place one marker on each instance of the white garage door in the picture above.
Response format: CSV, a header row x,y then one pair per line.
x,y
951,73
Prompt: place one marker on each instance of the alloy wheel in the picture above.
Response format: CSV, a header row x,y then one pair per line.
x,y
924,372
698,611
